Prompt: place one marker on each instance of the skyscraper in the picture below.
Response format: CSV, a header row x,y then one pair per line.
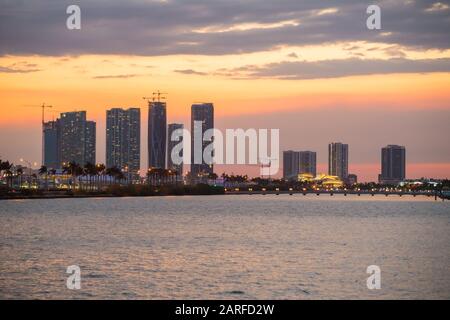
x,y
203,112
170,145
291,163
157,127
393,164
90,142
51,145
123,139
308,163
77,138
338,160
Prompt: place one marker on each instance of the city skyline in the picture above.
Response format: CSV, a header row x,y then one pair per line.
x,y
224,158
305,159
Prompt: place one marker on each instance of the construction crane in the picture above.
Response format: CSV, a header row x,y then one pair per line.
x,y
158,94
155,96
43,112
43,107
53,113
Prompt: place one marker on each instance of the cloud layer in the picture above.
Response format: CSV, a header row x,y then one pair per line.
x,y
213,27
339,68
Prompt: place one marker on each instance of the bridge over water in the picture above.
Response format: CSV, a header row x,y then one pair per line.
x,y
250,191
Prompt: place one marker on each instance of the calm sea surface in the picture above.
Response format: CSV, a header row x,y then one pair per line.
x,y
226,247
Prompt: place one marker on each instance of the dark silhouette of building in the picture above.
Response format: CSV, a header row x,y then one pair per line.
x,y
123,139
308,163
291,163
204,113
170,145
393,164
338,160
90,142
352,179
51,157
157,127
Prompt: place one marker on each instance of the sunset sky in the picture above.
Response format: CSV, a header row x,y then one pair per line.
x,y
310,68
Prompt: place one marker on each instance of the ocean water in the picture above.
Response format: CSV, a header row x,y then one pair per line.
x,y
226,247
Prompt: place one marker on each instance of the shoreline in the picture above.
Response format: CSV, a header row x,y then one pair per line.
x,y
98,196
255,193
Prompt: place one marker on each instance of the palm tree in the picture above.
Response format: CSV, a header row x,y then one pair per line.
x,y
90,170
100,170
115,173
9,175
151,174
165,175
173,176
44,171
213,176
53,173
6,167
157,176
74,170
19,172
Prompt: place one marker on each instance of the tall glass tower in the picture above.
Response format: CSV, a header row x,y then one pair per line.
x,y
308,164
157,126
51,145
204,113
393,164
123,139
77,140
338,160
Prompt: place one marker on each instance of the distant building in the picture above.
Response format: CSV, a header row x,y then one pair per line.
x,y
123,139
352,179
291,163
338,160
203,112
170,145
307,163
91,142
77,140
393,164
157,127
51,153
321,180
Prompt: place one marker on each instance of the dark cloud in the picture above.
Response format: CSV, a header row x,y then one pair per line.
x,y
190,71
143,27
338,68
15,70
117,76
